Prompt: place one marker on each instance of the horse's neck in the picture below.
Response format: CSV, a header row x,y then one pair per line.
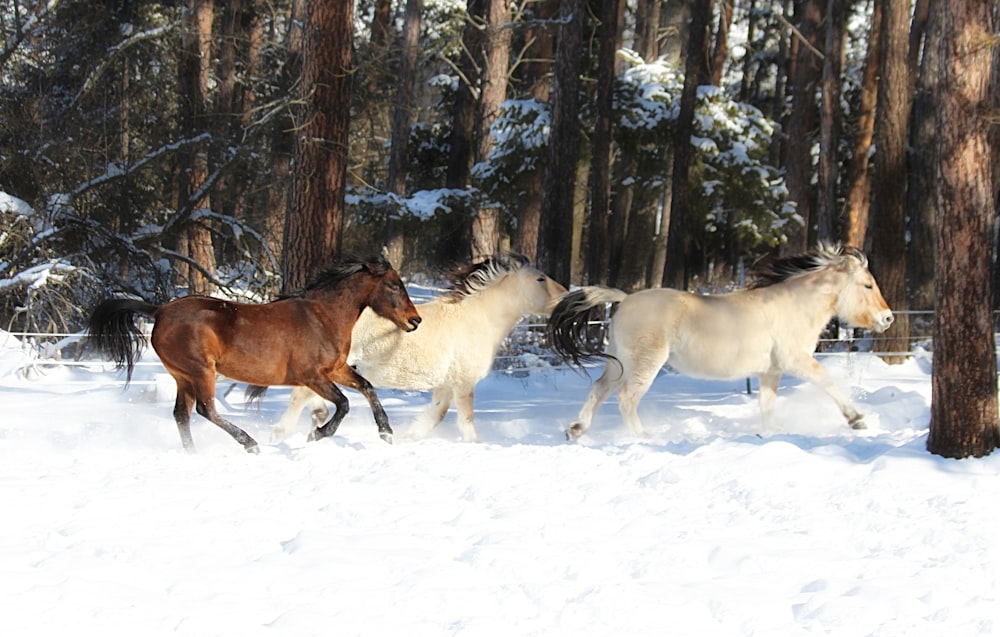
x,y
498,310
343,295
815,296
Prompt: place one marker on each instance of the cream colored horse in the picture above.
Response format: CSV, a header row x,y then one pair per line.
x,y
765,330
451,352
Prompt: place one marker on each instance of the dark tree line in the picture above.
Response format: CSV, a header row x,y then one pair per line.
x,y
242,145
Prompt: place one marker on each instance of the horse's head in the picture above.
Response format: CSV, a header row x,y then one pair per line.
x,y
390,299
540,292
860,302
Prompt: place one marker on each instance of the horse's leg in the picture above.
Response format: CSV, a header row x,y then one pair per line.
x,y
637,383
381,419
349,377
182,414
810,370
301,396
341,406
599,392
464,400
768,393
319,412
432,414
205,404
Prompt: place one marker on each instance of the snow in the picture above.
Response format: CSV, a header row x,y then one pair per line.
x,y
702,528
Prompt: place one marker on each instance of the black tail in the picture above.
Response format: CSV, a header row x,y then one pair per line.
x,y
114,333
253,396
570,326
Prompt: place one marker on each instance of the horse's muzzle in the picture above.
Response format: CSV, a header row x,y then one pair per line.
x,y
883,321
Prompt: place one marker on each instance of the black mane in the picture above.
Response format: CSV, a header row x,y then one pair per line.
x,y
344,268
467,280
771,270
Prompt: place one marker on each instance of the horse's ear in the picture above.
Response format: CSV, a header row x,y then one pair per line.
x,y
857,254
518,258
378,265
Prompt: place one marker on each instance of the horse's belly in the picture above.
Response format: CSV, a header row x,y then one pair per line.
x,y
712,361
396,375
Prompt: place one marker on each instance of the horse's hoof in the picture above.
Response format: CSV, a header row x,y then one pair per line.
x,y
574,432
254,449
387,436
313,437
859,424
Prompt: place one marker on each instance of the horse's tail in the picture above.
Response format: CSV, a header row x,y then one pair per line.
x,y
114,333
568,326
253,396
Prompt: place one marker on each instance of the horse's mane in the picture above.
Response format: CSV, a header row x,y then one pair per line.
x,y
345,268
470,279
770,270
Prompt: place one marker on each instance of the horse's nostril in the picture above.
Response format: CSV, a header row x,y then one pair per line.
x,y
415,321
889,319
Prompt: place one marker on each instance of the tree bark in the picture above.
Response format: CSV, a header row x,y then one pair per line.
x,y
492,92
598,255
536,71
922,174
555,240
676,273
964,384
314,230
802,120
720,50
889,196
827,210
402,121
195,237
647,26
859,175
463,130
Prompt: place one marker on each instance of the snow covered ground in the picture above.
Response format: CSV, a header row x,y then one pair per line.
x,y
703,528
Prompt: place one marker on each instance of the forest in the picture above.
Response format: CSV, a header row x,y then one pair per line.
x,y
200,146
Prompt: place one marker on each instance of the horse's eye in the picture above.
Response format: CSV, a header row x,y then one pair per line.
x,y
541,279
869,286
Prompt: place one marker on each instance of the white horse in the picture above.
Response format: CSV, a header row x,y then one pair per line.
x,y
454,349
764,330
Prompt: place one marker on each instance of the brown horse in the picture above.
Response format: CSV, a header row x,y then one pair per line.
x,y
299,340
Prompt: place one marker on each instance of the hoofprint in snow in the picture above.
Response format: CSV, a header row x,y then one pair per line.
x,y
702,528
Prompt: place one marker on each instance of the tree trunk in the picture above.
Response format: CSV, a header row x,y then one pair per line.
x,y
282,139
641,241
964,383
720,50
314,231
889,196
827,210
598,254
555,240
402,121
463,130
859,176
492,92
672,31
747,78
922,174
536,71
801,127
675,273
194,243
647,25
